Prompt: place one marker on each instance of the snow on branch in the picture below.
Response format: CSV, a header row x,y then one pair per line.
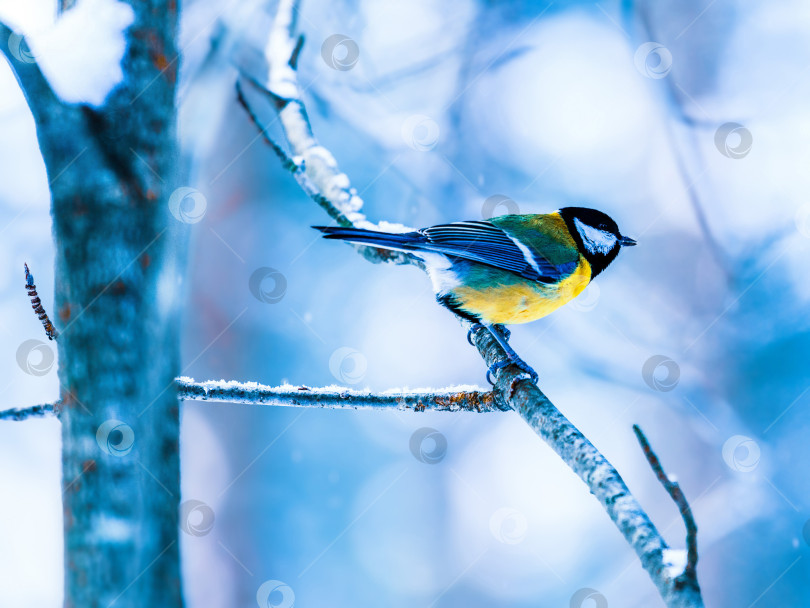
x,y
313,166
452,399
53,118
511,387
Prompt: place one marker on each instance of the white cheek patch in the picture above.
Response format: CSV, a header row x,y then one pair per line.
x,y
595,240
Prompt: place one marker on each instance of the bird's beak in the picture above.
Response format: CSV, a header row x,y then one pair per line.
x,y
627,241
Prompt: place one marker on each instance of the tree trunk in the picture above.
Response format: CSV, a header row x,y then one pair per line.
x,y
118,269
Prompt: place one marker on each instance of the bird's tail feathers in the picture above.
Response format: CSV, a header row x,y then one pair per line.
x,y
404,241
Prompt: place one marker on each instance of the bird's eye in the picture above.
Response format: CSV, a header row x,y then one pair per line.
x,y
602,226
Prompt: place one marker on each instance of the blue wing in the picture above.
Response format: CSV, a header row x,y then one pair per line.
x,y
481,242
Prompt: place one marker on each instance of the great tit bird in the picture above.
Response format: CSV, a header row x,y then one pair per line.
x,y
510,269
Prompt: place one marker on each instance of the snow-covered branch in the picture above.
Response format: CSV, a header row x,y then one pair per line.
x,y
511,388
314,167
452,399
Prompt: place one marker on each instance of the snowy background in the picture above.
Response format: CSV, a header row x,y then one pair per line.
x,y
699,334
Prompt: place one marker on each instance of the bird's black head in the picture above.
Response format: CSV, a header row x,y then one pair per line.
x,y
596,234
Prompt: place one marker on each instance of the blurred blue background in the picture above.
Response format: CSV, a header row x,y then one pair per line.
x,y
448,104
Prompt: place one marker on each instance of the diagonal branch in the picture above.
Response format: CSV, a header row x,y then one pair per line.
x,y
512,387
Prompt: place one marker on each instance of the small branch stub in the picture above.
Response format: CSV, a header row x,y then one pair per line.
x,y
25,413
36,304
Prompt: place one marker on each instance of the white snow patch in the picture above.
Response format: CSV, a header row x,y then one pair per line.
x,y
80,54
329,389
113,529
674,562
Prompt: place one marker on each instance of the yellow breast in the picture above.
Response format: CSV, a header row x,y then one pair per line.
x,y
520,300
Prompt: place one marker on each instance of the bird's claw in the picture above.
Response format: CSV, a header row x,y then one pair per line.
x,y
471,331
505,332
519,363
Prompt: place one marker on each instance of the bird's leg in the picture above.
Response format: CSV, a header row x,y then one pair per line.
x,y
512,356
504,330
474,328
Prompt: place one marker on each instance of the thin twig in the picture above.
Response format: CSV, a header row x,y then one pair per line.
x,y
452,399
675,492
36,304
24,413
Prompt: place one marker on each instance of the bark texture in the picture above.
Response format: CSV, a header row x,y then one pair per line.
x,y
111,172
